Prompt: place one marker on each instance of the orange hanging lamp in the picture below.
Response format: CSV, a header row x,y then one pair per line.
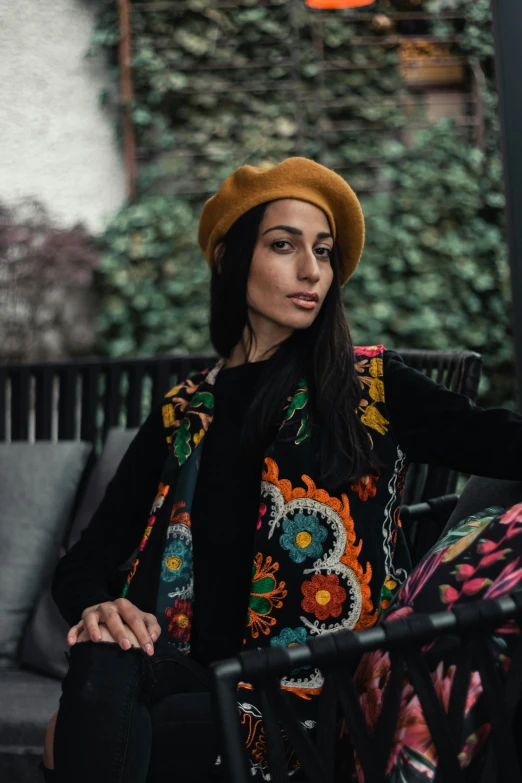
x,y
338,3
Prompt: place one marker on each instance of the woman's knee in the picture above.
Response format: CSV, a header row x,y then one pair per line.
x,y
99,671
102,707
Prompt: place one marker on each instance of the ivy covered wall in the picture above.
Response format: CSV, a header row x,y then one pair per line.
x,y
219,84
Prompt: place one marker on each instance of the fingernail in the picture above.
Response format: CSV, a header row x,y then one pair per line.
x,y
95,637
125,644
153,636
148,649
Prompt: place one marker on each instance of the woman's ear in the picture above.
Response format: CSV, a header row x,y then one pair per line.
x,y
218,255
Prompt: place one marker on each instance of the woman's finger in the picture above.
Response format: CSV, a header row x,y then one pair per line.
x,y
134,618
74,633
108,637
91,618
130,636
84,636
153,626
114,622
117,621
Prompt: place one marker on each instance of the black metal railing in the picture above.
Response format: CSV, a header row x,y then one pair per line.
x,y
467,626
82,399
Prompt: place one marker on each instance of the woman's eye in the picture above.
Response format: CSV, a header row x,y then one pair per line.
x,y
325,251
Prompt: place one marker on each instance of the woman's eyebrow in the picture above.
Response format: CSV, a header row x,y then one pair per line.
x,y
292,230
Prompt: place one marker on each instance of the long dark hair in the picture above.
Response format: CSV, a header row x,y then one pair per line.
x,y
323,354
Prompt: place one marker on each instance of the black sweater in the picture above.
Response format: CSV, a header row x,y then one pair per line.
x,y
429,422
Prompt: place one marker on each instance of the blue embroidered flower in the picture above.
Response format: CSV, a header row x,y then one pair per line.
x,y
303,537
288,637
177,562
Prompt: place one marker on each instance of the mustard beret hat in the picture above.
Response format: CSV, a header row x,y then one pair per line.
x,y
298,178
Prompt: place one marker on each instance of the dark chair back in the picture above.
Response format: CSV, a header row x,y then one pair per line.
x,y
336,655
428,497
82,399
460,372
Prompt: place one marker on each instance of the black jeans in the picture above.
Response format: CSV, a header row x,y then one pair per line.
x,y
125,716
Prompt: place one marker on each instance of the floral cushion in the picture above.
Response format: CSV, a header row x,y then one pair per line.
x,y
479,558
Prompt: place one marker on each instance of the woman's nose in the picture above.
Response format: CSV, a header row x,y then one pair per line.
x,y
309,269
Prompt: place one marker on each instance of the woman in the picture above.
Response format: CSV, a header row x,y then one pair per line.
x,y
314,547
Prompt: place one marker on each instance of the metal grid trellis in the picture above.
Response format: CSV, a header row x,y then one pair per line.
x,y
253,76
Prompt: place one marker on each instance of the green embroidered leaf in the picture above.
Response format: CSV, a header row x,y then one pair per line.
x,y
202,398
298,402
259,605
304,431
182,448
264,585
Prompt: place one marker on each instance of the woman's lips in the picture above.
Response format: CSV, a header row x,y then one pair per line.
x,y
306,304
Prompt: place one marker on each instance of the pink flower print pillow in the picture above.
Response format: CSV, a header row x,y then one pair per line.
x,y
479,558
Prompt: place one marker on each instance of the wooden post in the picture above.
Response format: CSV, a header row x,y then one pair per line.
x,y
126,97
507,24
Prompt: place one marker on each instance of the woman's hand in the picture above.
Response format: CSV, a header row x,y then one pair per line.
x,y
106,635
118,617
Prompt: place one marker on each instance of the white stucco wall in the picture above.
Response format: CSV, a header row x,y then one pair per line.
x,y
56,142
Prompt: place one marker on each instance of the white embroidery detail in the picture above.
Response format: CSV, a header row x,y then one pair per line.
x,y
212,375
399,574
276,507
158,502
330,562
314,680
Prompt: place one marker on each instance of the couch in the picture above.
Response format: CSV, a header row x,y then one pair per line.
x,y
64,427
65,482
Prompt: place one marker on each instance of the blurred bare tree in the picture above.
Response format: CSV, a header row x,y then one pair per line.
x,y
46,292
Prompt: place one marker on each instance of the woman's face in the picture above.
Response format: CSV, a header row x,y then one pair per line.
x,y
291,271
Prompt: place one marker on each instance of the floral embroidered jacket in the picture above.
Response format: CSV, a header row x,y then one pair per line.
x,y
322,562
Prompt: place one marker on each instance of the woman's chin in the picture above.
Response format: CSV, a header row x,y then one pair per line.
x,y
287,322
301,320
290,325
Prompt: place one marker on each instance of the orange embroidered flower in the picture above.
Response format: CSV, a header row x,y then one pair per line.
x,y
178,517
180,619
323,596
366,487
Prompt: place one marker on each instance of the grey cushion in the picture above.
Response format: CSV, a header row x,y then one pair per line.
x,y
44,642
28,700
116,444
38,485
